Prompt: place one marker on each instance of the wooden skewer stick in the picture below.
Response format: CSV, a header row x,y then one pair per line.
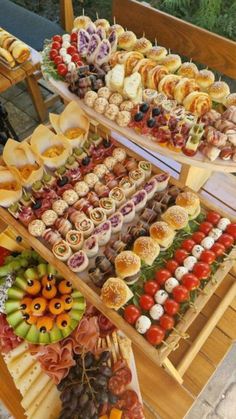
x,y
155,42
114,20
83,11
97,16
143,34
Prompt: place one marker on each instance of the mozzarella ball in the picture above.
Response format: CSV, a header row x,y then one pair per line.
x,y
63,52
71,66
161,296
197,251
170,284
189,262
222,224
215,233
67,58
207,242
66,44
156,312
66,37
142,324
180,271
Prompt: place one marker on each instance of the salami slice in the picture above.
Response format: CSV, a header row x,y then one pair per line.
x,y
136,413
125,374
116,385
121,363
130,398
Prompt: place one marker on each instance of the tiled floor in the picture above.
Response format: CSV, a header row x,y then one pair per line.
x,y
218,400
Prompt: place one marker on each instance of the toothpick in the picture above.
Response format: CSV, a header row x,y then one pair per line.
x,y
190,60
97,15
114,20
143,34
169,51
219,78
83,11
155,42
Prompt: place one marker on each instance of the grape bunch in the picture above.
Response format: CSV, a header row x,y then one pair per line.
x,y
85,389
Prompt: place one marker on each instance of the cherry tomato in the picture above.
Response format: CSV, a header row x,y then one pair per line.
x,y
76,58
226,239
188,245
74,44
53,53
131,313
151,287
202,270
188,152
180,255
3,254
57,38
58,60
62,69
190,281
167,322
155,335
79,63
231,229
171,307
162,275
213,217
171,265
218,249
198,236
73,37
56,45
180,294
146,301
208,256
71,50
205,227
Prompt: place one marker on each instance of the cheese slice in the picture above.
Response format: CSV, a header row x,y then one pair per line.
x,y
40,397
35,389
15,353
10,244
50,407
20,365
24,382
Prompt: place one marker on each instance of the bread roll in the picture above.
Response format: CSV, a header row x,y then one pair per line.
x,y
189,201
81,22
7,57
117,28
176,217
21,53
127,40
172,62
167,85
155,75
147,249
142,45
131,59
157,53
204,79
183,88
162,233
144,71
127,263
188,70
115,293
218,91
103,23
230,100
8,41
198,103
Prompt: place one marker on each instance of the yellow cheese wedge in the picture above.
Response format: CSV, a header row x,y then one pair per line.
x,y
34,390
50,406
10,244
40,397
15,353
20,365
24,382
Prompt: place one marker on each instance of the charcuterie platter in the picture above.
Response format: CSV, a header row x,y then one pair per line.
x,y
119,228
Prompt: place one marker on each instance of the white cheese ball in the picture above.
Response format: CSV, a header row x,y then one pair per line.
x,y
189,262
63,52
197,251
143,324
222,224
215,233
66,44
180,271
67,58
71,66
170,284
66,37
156,312
161,296
207,242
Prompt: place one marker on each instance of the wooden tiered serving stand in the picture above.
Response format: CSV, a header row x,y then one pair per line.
x,y
210,325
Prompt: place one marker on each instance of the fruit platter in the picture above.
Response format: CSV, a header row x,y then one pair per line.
x,y
147,253
145,93
84,369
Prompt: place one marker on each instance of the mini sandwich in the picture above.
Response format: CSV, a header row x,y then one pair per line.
x,y
162,233
190,202
218,91
115,293
157,53
127,266
142,45
147,249
6,55
176,217
127,40
230,100
205,78
172,62
188,70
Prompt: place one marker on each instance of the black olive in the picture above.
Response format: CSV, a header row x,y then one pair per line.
x,y
19,239
156,111
86,161
37,204
144,107
106,143
151,122
138,116
63,181
42,329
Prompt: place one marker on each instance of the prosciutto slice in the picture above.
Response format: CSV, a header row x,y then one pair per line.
x,y
8,339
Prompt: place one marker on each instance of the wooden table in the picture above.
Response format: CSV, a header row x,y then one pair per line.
x,y
27,72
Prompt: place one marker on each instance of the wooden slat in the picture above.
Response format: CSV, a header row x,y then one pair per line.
x,y
216,346
198,374
67,15
180,36
8,392
4,83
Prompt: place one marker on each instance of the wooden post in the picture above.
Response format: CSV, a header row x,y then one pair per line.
x,y
193,176
167,364
67,14
37,98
